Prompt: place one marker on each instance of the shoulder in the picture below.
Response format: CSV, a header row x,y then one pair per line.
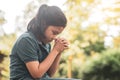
x,y
27,36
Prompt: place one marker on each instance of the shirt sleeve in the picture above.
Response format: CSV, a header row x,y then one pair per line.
x,y
26,50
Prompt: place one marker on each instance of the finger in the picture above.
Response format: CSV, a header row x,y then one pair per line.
x,y
65,43
66,47
64,40
56,39
61,39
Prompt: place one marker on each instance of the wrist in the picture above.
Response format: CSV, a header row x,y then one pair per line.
x,y
55,51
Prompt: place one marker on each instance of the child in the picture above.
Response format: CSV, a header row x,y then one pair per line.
x,y
31,57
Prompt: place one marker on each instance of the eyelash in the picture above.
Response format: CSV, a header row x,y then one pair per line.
x,y
55,33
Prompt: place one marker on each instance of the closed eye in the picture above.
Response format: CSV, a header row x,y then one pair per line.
x,y
55,32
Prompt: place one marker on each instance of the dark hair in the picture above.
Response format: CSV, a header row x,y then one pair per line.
x,y
46,16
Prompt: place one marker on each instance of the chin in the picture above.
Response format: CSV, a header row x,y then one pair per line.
x,y
48,41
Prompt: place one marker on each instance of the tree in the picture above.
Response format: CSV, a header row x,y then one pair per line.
x,y
1,60
6,42
89,22
2,21
103,67
29,12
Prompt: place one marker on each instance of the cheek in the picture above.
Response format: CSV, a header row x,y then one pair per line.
x,y
48,35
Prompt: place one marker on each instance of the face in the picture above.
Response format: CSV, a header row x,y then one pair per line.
x,y
51,32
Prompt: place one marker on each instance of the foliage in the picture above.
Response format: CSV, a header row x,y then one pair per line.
x,y
116,42
3,70
87,20
2,55
28,13
104,67
6,42
96,47
2,19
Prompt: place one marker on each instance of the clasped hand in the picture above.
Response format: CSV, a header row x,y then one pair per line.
x,y
60,44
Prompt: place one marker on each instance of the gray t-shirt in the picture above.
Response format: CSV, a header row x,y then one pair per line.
x,y
27,48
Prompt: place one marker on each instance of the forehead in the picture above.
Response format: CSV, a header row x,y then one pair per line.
x,y
56,28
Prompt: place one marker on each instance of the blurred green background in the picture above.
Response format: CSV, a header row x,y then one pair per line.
x,y
93,31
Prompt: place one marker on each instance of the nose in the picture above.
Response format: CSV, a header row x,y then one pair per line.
x,y
54,37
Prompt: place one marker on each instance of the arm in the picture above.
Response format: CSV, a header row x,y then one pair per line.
x,y
37,69
54,66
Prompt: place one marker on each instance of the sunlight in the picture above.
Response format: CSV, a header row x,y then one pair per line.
x,y
15,8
